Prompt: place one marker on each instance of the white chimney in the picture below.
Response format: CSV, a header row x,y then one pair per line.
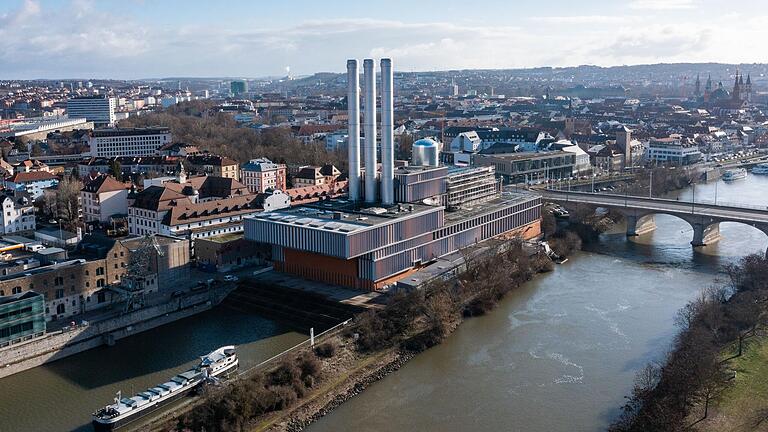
x,y
353,112
387,134
369,125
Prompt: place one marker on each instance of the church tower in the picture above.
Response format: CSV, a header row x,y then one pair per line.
x,y
708,88
736,94
697,92
748,88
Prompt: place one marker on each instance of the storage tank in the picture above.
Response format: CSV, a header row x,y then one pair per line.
x,y
425,152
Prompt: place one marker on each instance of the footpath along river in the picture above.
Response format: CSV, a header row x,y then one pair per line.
x,y
561,353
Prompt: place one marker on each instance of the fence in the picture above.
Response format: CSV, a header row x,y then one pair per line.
x,y
317,339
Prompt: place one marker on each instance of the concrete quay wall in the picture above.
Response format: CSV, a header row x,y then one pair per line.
x,y
61,344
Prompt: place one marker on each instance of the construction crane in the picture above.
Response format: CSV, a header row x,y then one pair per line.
x,y
133,285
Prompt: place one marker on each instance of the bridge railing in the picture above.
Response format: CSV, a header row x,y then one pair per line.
x,y
719,203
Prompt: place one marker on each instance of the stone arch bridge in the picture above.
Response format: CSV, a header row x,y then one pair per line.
x,y
704,218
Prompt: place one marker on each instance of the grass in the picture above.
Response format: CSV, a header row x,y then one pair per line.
x,y
743,406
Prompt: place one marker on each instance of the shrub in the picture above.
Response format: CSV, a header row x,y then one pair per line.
x,y
325,350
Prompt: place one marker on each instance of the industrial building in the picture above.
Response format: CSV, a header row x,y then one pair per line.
x,y
404,218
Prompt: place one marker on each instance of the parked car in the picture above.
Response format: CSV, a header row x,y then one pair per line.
x,y
231,278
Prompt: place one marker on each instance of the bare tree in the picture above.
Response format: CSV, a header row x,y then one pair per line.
x,y
68,203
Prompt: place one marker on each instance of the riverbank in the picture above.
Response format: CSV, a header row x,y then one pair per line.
x,y
742,406
307,385
678,393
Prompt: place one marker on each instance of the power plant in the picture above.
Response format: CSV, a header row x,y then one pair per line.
x,y
421,213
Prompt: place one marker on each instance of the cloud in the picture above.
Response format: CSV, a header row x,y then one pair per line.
x,y
577,19
658,44
662,4
80,39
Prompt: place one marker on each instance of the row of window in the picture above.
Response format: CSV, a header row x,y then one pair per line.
x,y
14,330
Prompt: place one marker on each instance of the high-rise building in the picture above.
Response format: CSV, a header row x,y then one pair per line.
x,y
238,87
97,109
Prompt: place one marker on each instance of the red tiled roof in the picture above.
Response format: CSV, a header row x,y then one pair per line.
x,y
23,177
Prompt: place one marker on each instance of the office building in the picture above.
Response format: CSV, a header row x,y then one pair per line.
x,y
672,150
114,142
22,316
100,110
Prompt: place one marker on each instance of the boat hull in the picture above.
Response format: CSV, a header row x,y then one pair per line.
x,y
105,426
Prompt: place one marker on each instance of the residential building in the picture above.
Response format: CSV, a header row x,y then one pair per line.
x,y
113,142
100,110
316,176
195,208
102,198
216,166
18,213
308,176
33,182
87,280
262,174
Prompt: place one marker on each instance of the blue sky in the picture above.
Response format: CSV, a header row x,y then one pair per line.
x,y
157,38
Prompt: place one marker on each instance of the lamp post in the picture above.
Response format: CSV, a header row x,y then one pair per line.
x,y
650,186
693,199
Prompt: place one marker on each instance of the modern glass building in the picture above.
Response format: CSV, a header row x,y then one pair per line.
x,y
22,316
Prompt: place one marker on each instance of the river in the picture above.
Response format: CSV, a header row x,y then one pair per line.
x,y
61,395
560,354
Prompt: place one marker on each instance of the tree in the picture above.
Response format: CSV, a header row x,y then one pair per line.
x,y
68,203
404,146
116,169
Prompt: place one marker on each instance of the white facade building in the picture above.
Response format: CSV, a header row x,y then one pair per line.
x,y
97,109
102,198
672,150
128,142
18,214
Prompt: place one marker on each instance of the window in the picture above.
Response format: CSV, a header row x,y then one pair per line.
x,y
99,271
59,293
100,283
61,308
101,297
58,280
16,290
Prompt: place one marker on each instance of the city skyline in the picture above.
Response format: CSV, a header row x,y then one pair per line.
x,y
133,40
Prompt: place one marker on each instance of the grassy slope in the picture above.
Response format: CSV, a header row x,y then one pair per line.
x,y
741,406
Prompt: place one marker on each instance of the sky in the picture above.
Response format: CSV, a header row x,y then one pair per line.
x,y
130,39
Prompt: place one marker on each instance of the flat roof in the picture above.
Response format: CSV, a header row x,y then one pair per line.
x,y
506,199
343,216
526,155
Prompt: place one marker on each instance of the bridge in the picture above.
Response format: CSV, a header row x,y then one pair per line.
x,y
704,218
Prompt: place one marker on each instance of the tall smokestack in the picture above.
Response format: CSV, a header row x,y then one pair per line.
x,y
369,125
353,112
387,134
